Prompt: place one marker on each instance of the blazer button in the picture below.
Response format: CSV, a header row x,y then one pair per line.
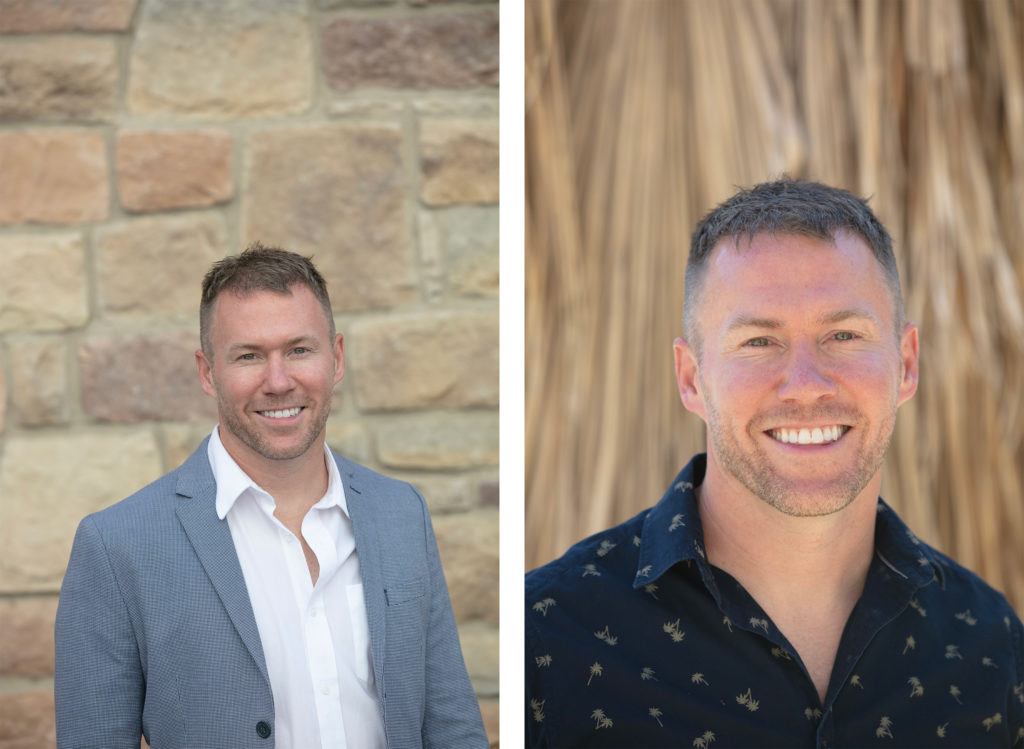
x,y
263,729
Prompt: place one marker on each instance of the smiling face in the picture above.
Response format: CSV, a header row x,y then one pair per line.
x,y
800,370
274,366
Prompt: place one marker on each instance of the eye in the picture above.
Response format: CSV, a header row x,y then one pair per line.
x,y
759,342
300,350
843,335
247,357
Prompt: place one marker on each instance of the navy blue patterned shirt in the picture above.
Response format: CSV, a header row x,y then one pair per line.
x,y
634,640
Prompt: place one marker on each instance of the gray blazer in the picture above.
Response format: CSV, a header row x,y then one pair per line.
x,y
156,636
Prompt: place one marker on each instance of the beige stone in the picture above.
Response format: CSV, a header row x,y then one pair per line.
x,y
439,441
350,439
443,492
3,398
434,359
181,440
468,542
233,58
142,377
26,648
53,176
180,169
152,268
336,192
44,16
480,649
451,50
469,235
489,493
48,483
491,714
58,79
27,721
459,161
43,286
39,381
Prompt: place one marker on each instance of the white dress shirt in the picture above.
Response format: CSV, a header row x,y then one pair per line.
x,y
315,637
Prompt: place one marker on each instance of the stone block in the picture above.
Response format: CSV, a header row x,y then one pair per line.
x,y
220,60
152,268
43,286
452,50
181,440
490,712
48,483
439,441
349,438
26,648
139,377
459,161
47,16
443,492
39,381
157,171
53,176
58,79
469,236
480,649
336,192
489,493
468,543
26,720
434,359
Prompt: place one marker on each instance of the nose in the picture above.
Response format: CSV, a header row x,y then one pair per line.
x,y
277,377
806,376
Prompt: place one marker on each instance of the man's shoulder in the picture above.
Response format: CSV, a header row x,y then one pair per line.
x,y
957,587
610,554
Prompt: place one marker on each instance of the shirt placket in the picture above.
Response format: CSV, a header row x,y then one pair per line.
x,y
319,646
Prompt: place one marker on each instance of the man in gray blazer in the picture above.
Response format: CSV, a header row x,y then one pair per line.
x,y
267,593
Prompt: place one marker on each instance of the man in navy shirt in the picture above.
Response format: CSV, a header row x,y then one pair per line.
x,y
771,598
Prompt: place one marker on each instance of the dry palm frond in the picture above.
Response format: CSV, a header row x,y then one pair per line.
x,y
641,116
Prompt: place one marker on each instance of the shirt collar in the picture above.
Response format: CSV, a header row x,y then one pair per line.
x,y
232,482
672,533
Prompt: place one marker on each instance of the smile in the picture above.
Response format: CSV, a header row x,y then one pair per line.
x,y
284,413
805,436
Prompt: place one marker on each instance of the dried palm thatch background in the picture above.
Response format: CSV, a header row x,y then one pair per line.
x,y
641,115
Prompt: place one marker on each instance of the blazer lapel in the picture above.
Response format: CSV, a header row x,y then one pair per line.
x,y
211,539
364,528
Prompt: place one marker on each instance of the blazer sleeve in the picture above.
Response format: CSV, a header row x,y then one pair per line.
x,y
452,714
99,685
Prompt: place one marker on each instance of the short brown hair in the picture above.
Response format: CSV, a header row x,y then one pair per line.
x,y
786,206
259,268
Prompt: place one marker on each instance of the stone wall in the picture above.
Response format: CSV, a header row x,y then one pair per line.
x,y
140,140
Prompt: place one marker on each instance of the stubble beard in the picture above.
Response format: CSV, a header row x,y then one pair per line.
x,y
753,469
255,441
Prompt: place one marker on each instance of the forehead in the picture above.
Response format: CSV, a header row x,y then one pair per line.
x,y
264,315
794,274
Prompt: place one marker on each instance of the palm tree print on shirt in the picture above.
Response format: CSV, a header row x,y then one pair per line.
x,y
656,714
884,726
703,741
542,661
673,631
537,706
596,670
916,689
647,673
995,720
543,606
601,720
605,635
747,700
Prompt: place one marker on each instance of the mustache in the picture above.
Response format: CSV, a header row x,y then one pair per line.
x,y
829,414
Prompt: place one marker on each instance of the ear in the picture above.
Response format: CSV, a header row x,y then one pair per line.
x,y
687,379
205,373
339,357
908,359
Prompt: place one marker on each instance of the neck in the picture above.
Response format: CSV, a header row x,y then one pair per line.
x,y
759,544
296,484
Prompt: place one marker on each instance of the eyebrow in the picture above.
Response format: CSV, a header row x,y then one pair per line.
x,y
303,339
830,318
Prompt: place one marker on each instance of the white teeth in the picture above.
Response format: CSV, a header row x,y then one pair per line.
x,y
815,436
282,414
